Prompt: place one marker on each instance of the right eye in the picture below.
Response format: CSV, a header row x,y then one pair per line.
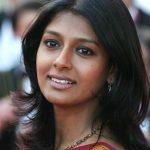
x,y
84,51
51,43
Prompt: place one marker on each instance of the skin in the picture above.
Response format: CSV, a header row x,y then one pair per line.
x,y
60,54
69,50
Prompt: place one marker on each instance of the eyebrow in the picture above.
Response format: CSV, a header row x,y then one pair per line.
x,y
52,32
80,39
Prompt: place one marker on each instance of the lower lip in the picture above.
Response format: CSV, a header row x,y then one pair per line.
x,y
60,86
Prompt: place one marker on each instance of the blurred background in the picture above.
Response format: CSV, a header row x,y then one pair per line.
x,y
15,17
144,4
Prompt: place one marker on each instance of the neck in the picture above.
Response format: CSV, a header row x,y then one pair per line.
x,y
72,123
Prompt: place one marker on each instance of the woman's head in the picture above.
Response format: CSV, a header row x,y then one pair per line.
x,y
115,32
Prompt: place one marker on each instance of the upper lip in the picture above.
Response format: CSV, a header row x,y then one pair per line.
x,y
59,77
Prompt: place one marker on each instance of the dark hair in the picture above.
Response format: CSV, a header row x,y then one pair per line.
x,y
124,108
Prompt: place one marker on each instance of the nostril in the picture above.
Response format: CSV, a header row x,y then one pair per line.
x,y
62,63
63,59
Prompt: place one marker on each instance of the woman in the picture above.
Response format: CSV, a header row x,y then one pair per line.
x,y
89,86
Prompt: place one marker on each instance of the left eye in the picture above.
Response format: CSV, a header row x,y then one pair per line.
x,y
52,43
84,51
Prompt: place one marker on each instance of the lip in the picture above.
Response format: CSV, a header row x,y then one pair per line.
x,y
61,82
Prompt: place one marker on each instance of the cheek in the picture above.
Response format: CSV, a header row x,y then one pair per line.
x,y
94,76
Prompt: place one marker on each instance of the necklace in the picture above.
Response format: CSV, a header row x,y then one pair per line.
x,y
82,140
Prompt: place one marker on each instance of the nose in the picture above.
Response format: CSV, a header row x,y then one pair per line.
x,y
63,60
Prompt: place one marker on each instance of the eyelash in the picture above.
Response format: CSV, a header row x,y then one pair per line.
x,y
82,51
51,43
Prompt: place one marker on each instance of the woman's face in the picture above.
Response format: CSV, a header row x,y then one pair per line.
x,y
71,65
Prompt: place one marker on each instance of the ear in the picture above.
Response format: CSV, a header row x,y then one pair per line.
x,y
111,75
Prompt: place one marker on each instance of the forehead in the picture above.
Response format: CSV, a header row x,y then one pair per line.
x,y
68,22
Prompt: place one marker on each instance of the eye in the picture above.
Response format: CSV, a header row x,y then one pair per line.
x,y
51,43
84,51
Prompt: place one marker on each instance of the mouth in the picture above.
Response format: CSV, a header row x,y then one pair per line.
x,y
60,82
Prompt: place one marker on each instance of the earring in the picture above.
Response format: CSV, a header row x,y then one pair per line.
x,y
109,87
